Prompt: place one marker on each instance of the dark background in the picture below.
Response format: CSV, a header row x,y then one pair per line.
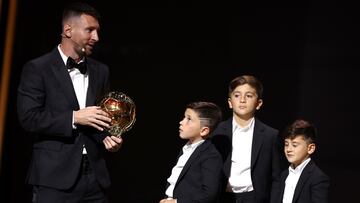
x,y
164,54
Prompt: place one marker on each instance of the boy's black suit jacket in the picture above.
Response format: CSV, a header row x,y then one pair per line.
x,y
199,180
313,186
267,160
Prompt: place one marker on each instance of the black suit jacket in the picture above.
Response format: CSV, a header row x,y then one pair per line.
x,y
199,180
312,187
267,159
46,101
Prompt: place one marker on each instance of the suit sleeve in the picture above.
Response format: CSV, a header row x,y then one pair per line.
x,y
210,177
35,113
279,164
320,189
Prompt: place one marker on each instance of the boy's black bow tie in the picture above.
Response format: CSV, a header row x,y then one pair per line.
x,y
72,64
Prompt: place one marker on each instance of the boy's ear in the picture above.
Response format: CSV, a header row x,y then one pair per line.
x,y
260,103
204,131
311,148
229,102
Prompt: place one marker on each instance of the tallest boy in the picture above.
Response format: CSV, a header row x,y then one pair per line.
x,y
250,149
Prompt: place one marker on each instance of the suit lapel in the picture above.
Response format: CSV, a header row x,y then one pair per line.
x,y
63,78
98,85
303,178
257,141
283,177
91,91
192,158
228,132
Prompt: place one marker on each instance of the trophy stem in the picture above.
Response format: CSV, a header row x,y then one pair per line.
x,y
115,130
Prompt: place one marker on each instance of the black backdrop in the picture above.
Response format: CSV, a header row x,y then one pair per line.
x,y
165,54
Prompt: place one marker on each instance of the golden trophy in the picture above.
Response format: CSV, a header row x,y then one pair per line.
x,y
122,111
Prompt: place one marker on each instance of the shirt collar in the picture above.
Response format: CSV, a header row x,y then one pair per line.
x,y
300,167
192,146
63,56
236,126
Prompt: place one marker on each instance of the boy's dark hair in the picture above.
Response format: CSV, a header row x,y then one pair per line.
x,y
302,128
247,79
209,113
77,9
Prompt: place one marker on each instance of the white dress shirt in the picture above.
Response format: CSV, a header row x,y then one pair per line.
x,y
187,149
80,84
292,180
240,174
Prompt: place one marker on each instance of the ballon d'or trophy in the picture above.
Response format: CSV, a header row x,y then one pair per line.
x,y
122,111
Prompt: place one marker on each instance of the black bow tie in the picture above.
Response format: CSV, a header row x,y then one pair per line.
x,y
72,64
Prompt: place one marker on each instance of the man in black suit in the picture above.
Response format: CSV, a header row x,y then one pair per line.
x,y
57,98
250,149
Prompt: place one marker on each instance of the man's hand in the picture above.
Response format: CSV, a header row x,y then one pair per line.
x,y
113,143
92,116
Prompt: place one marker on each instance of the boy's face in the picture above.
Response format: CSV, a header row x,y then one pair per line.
x,y
244,101
190,127
298,150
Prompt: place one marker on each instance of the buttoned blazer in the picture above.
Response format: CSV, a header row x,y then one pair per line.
x,y
46,100
199,180
313,186
267,159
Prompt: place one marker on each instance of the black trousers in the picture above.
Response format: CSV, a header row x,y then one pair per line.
x,y
85,190
246,197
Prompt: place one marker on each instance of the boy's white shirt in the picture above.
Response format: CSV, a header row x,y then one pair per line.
x,y
292,180
240,173
187,149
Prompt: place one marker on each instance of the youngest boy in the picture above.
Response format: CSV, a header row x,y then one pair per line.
x,y
303,182
196,176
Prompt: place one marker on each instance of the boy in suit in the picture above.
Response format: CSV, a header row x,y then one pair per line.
x,y
303,182
56,103
196,175
250,149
